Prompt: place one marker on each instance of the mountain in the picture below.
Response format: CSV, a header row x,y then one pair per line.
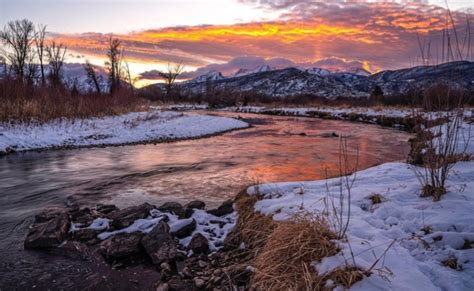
x,y
261,69
74,73
210,76
323,83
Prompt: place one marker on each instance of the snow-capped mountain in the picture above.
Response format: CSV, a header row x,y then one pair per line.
x,y
74,74
323,83
210,76
318,71
261,69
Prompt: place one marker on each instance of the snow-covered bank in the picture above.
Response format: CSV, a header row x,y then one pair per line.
x,y
135,127
415,243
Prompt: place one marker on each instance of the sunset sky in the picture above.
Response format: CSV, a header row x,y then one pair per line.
x,y
226,35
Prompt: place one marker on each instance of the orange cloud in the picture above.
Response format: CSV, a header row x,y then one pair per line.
x,y
382,35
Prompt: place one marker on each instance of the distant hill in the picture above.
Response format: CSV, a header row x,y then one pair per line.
x,y
324,83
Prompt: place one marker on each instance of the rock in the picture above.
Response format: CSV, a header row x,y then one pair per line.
x,y
186,229
162,226
106,208
73,250
179,285
189,208
125,217
121,245
83,216
163,287
47,215
50,233
225,208
199,244
86,235
196,204
199,283
160,245
172,207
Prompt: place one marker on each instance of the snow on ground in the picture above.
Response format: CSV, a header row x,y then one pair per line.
x,y
133,127
334,111
413,237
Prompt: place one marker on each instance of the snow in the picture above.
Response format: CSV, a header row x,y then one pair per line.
x,y
214,228
134,127
405,238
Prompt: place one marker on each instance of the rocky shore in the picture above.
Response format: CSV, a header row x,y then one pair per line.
x,y
185,244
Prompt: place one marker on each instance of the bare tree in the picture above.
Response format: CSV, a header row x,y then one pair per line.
x,y
128,77
18,37
56,56
40,35
92,75
114,55
169,76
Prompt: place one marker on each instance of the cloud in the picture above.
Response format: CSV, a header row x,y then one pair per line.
x,y
382,35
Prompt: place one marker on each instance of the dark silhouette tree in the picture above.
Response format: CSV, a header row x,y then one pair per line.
x,y
18,37
92,76
40,35
113,64
56,56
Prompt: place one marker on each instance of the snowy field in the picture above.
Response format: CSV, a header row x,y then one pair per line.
x,y
417,244
135,127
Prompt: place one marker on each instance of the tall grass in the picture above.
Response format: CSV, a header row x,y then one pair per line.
x,y
23,103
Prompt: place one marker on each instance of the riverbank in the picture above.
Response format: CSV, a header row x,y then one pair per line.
x,y
133,128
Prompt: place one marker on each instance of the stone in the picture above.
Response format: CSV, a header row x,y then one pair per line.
x,y
83,216
225,208
47,215
106,208
189,208
125,217
196,204
199,244
199,283
73,250
162,226
49,233
121,246
86,235
186,229
160,245
163,287
173,207
179,285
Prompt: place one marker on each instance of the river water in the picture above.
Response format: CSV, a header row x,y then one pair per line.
x,y
211,169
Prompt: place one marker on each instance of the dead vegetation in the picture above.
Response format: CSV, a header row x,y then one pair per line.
x,y
281,252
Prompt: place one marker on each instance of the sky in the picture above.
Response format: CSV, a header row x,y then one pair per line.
x,y
226,35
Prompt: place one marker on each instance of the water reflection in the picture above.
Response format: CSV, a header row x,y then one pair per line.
x,y
212,169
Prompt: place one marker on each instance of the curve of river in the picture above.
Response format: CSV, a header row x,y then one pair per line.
x,y
211,169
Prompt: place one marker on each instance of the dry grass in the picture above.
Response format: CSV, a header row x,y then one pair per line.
x,y
26,103
346,277
376,198
284,261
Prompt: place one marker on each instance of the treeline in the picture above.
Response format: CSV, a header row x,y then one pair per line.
x,y
439,96
32,85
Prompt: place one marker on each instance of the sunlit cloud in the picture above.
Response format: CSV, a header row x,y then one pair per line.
x,y
374,35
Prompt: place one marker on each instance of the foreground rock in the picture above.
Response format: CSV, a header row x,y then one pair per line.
x,y
121,246
177,240
199,244
160,245
225,208
124,218
49,231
